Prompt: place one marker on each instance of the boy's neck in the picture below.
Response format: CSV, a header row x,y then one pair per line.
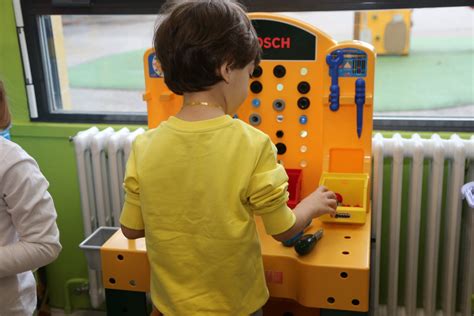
x,y
195,108
199,113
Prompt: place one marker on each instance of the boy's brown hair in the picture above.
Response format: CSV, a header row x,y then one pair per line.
x,y
196,37
4,113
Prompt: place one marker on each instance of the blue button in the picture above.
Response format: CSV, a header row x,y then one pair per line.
x,y
303,119
235,116
256,102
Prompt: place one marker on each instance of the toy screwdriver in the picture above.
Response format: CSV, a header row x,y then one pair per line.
x,y
307,242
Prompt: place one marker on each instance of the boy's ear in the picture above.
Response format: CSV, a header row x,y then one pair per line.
x,y
225,72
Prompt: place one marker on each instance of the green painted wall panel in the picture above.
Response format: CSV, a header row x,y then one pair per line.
x,y
11,69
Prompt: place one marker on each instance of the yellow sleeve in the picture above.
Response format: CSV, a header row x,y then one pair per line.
x,y
267,192
131,216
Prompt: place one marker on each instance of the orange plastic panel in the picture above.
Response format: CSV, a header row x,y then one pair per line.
x,y
335,275
161,102
346,160
125,264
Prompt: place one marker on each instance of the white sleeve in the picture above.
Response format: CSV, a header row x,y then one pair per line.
x,y
33,216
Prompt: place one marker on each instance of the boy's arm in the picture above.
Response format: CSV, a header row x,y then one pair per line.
x,y
131,219
132,233
267,196
303,217
318,203
267,192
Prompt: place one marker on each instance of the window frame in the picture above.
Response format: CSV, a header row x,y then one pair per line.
x,y
32,9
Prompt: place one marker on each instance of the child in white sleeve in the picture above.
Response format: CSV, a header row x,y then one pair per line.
x,y
29,237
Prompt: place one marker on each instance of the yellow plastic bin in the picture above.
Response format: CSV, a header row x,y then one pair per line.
x,y
353,187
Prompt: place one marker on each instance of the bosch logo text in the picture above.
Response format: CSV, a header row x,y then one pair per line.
x,y
275,42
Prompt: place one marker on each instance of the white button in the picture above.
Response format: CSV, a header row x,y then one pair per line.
x,y
303,163
304,71
280,87
279,118
303,134
303,149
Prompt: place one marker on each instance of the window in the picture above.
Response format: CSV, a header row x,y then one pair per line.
x,y
95,62
90,67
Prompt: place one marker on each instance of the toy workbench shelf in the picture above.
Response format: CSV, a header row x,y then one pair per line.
x,y
335,275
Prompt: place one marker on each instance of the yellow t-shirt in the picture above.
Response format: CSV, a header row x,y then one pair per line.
x,y
195,188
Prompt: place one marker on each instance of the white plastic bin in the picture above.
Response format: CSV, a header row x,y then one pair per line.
x,y
91,245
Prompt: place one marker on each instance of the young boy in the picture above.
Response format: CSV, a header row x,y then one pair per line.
x,y
194,184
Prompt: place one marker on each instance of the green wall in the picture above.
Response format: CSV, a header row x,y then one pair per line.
x,y
49,144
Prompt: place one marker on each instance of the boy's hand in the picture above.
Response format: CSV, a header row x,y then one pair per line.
x,y
322,201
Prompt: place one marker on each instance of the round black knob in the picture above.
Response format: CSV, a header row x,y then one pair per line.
x,y
256,87
257,72
279,105
279,71
255,119
281,148
279,134
303,103
303,87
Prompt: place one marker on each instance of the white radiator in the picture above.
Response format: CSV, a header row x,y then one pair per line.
x,y
443,278
100,160
447,164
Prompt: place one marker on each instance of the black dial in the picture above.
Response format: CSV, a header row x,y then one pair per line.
x,y
256,87
279,71
281,148
303,87
303,103
257,72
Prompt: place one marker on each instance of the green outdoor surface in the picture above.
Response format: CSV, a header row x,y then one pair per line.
x,y
436,74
